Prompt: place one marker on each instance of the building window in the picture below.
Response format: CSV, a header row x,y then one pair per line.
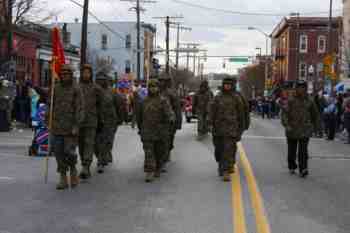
x,y
104,41
128,41
127,66
302,71
303,43
321,44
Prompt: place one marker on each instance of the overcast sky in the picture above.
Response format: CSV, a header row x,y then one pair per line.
x,y
220,32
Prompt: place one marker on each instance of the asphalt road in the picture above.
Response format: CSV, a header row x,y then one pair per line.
x,y
190,198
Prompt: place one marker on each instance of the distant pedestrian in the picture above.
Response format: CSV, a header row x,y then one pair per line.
x,y
330,116
300,118
4,107
346,106
201,104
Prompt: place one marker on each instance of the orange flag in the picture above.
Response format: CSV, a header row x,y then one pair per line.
x,y
58,58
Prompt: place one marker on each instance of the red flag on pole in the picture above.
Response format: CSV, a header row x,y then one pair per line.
x,y
58,58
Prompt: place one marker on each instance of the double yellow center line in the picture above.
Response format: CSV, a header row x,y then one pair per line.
x,y
262,224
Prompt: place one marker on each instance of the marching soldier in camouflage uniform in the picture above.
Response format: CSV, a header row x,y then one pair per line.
x,y
110,117
68,115
170,94
300,120
227,121
87,132
153,120
201,103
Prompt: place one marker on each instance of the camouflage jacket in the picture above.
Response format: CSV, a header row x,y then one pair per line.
x,y
68,110
92,98
246,111
175,104
154,117
201,102
226,116
110,109
300,118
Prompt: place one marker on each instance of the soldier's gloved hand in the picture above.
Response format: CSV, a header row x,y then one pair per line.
x,y
75,131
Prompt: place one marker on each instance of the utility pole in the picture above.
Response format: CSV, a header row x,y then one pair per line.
x,y
138,10
167,39
179,28
84,33
189,45
194,64
11,75
167,25
330,47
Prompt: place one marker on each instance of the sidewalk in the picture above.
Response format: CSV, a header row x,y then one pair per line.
x,y
16,137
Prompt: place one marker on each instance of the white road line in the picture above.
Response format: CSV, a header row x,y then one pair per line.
x,y
273,138
6,178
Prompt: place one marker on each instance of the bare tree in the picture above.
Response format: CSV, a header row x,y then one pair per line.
x,y
27,10
104,65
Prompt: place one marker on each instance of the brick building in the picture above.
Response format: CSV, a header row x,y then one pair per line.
x,y
299,43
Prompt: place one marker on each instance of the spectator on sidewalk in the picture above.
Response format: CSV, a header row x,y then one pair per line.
x,y
330,113
346,107
4,106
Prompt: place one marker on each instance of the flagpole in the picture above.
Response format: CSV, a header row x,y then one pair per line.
x,y
53,82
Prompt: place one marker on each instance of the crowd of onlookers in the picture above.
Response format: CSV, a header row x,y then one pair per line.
x,y
19,102
334,110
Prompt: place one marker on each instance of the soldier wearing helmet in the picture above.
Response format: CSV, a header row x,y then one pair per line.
x,y
87,132
201,103
227,121
153,119
172,97
110,116
68,115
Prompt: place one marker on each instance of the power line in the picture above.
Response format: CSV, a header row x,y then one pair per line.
x,y
100,21
242,12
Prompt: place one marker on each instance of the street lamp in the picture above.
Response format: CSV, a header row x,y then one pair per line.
x,y
267,36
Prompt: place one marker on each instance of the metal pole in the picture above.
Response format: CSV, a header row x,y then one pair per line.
x,y
199,65
297,47
9,26
194,64
177,45
167,23
330,27
138,40
267,46
84,32
188,59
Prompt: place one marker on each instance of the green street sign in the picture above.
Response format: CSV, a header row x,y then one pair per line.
x,y
239,59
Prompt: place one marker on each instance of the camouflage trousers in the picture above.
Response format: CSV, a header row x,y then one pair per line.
x,y
155,155
225,152
104,144
202,124
87,137
65,152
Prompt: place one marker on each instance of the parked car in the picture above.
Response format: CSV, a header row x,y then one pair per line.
x,y
189,107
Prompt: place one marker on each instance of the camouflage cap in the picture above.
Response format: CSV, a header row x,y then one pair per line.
x,y
66,68
301,84
153,82
228,80
103,76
